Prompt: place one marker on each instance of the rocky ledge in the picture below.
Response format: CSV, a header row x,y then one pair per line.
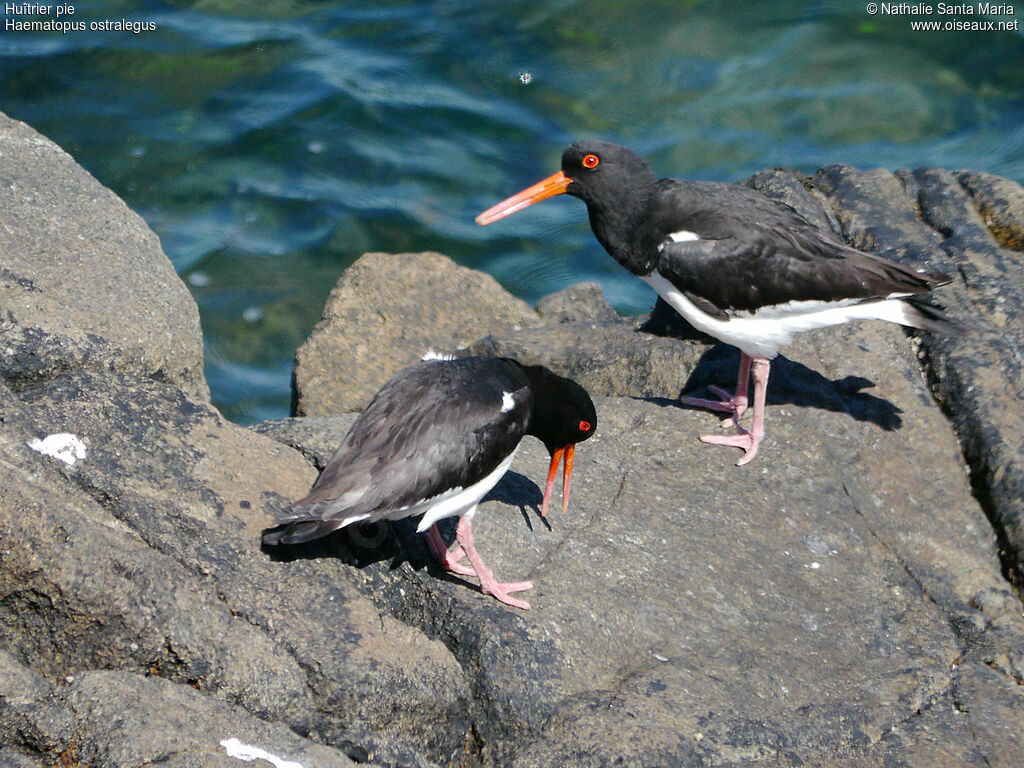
x,y
847,599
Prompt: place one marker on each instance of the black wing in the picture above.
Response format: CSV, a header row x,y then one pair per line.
x,y
432,427
754,251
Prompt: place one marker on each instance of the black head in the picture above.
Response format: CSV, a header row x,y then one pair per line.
x,y
603,173
563,414
613,181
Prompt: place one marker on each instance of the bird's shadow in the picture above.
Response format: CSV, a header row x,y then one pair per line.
x,y
793,383
396,541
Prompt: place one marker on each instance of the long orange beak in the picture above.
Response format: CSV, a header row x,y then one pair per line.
x,y
542,190
568,452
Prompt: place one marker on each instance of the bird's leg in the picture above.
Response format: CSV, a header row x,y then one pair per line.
x,y
735,404
749,441
449,559
488,584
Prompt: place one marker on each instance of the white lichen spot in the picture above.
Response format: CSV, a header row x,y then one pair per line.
x,y
247,752
507,402
432,355
63,445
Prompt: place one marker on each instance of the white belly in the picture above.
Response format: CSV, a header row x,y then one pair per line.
x,y
763,333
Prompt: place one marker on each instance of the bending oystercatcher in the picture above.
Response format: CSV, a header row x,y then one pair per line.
x,y
740,266
433,441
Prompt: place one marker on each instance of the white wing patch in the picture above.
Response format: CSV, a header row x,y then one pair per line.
x,y
63,445
682,236
507,402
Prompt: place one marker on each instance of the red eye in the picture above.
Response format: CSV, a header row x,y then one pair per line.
x,y
584,426
590,161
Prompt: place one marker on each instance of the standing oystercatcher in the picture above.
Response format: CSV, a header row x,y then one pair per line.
x,y
433,441
738,265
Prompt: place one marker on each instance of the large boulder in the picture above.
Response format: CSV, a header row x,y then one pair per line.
x,y
839,601
143,555
388,311
83,280
969,225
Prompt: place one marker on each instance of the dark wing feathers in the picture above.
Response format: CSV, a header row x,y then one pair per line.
x,y
779,255
431,428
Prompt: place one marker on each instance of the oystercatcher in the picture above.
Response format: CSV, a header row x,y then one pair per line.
x,y
738,265
433,441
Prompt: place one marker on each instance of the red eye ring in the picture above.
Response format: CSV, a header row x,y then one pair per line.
x,y
584,426
590,161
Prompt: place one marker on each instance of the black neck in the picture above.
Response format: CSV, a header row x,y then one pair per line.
x,y
617,223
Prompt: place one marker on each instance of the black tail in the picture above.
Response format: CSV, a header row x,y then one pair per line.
x,y
932,317
299,531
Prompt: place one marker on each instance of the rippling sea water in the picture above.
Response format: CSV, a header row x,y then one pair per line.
x,y
271,143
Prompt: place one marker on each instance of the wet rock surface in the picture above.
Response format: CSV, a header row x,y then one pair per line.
x,y
843,600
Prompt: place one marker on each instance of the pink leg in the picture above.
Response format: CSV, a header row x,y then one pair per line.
x,y
448,559
488,584
748,441
734,404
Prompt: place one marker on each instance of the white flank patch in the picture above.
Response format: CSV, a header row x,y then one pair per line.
x,y
763,333
507,402
64,446
458,500
432,355
247,752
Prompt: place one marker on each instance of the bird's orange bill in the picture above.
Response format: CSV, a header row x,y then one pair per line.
x,y
555,184
567,452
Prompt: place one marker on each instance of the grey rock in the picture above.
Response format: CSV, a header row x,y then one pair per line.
x,y
978,375
688,613
386,312
579,303
12,758
609,359
839,602
83,280
144,557
125,720
1000,203
29,719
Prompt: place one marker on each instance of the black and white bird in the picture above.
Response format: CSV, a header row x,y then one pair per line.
x,y
736,264
432,442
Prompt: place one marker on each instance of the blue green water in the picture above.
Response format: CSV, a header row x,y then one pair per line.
x,y
269,143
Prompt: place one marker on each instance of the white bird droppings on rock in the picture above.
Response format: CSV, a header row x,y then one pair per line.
x,y
247,752
63,445
432,355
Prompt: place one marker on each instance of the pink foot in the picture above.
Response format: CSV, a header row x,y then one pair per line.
x,y
735,404
488,584
449,559
745,440
748,441
501,591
